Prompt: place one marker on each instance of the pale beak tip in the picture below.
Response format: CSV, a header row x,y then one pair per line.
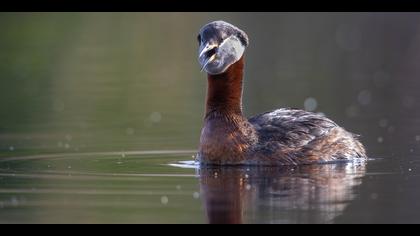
x,y
212,58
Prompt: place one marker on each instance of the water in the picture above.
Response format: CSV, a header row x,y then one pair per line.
x,y
98,188
156,187
100,115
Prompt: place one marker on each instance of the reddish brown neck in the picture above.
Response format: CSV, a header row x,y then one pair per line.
x,y
224,91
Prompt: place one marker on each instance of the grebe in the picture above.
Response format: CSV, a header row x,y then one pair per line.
x,y
280,137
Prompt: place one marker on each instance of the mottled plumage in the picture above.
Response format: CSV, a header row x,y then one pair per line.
x,y
279,137
293,136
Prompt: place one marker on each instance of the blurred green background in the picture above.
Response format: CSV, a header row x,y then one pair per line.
x,y
74,82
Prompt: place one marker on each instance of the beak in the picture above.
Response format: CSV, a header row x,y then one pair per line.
x,y
208,61
207,48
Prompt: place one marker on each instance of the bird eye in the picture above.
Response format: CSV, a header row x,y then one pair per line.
x,y
199,38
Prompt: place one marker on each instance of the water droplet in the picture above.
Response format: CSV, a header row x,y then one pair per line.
x,y
66,146
11,148
248,187
122,155
178,187
246,176
155,117
196,195
418,138
164,200
69,137
68,167
364,97
409,169
310,104
380,139
383,123
411,150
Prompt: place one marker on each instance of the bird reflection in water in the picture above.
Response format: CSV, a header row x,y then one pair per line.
x,y
299,194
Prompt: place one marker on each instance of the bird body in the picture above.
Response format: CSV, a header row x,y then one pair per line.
x,y
279,137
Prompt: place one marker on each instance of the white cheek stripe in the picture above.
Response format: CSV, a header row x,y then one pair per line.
x,y
235,44
232,46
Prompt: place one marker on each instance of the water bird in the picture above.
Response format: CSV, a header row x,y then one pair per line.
x,y
285,136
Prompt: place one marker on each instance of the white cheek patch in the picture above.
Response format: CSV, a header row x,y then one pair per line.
x,y
233,47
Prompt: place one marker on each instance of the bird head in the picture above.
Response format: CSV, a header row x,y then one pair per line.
x,y
220,45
